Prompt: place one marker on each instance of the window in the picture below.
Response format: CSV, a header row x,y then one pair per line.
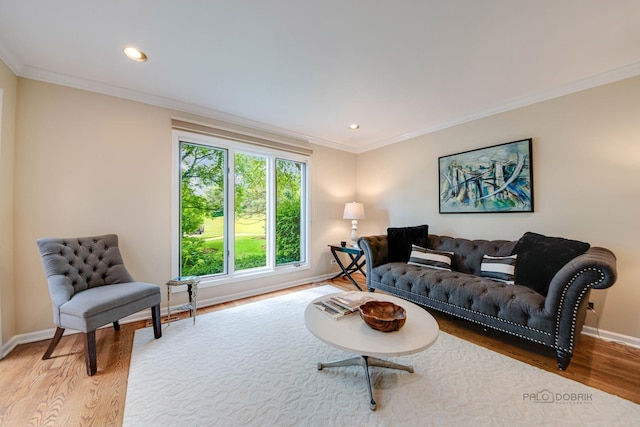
x,y
290,182
250,214
242,208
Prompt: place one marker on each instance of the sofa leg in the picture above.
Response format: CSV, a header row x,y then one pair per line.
x,y
116,325
54,342
564,358
155,315
90,344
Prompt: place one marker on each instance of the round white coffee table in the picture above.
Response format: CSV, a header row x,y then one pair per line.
x,y
352,335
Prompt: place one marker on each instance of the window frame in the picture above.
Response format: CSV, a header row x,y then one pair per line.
x,y
233,147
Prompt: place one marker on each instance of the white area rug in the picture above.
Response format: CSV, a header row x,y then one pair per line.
x,y
255,365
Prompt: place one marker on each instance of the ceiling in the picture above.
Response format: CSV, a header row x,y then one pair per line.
x,y
309,69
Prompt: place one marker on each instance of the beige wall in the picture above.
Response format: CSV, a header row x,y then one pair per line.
x,y
8,87
87,164
586,164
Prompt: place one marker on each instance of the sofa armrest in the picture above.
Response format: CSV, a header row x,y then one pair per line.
x,y
376,250
595,269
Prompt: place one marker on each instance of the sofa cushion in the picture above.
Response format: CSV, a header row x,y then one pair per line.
x,y
541,257
423,257
500,268
468,254
473,297
400,240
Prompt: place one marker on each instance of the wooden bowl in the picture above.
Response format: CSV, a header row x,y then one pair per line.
x,y
383,316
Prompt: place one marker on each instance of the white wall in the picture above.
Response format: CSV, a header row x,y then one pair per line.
x,y
89,164
586,165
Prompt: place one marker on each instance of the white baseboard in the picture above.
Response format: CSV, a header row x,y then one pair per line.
x,y
145,314
611,336
8,347
46,334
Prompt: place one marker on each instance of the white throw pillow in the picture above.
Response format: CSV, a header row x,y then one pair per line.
x,y
423,257
500,268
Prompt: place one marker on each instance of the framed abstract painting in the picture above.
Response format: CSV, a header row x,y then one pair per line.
x,y
487,180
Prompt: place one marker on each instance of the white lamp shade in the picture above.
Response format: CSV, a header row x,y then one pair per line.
x,y
353,211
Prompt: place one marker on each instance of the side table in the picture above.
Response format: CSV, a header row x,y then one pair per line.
x,y
356,255
192,288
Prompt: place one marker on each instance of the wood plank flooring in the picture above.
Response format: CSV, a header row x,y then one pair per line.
x,y
57,392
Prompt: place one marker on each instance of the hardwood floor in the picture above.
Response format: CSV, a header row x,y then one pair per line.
x,y
57,392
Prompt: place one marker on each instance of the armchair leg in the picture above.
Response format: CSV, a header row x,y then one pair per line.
x,y
155,315
90,344
116,325
54,342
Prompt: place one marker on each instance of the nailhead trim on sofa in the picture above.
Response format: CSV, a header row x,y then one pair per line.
x,y
558,317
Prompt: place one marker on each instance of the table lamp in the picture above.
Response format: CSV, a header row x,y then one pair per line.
x,y
353,211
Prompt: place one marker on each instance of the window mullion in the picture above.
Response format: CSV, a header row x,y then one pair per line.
x,y
230,211
271,212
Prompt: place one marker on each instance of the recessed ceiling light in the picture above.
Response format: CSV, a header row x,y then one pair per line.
x,y
354,126
135,54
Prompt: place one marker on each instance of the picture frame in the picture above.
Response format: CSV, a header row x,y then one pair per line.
x,y
493,179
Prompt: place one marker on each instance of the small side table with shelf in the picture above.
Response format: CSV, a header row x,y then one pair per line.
x,y
191,282
357,262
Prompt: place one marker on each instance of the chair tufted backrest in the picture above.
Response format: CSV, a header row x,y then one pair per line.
x,y
468,254
75,264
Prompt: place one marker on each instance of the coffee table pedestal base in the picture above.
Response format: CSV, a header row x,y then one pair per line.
x,y
365,362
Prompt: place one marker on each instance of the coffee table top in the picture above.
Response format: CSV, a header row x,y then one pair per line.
x,y
352,335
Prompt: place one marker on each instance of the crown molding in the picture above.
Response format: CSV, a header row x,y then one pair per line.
x,y
611,76
10,60
179,106
155,100
331,144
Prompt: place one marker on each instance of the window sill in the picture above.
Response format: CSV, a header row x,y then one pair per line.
x,y
210,281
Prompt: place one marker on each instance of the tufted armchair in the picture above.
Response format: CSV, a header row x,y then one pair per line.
x,y
90,287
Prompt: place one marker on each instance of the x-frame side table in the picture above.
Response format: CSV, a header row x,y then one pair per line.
x,y
357,262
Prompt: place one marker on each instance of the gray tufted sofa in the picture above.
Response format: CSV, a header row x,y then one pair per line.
x,y
554,321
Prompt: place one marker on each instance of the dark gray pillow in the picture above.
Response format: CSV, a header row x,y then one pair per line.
x,y
541,257
400,240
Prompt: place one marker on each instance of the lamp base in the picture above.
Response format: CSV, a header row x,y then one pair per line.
x,y
354,233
